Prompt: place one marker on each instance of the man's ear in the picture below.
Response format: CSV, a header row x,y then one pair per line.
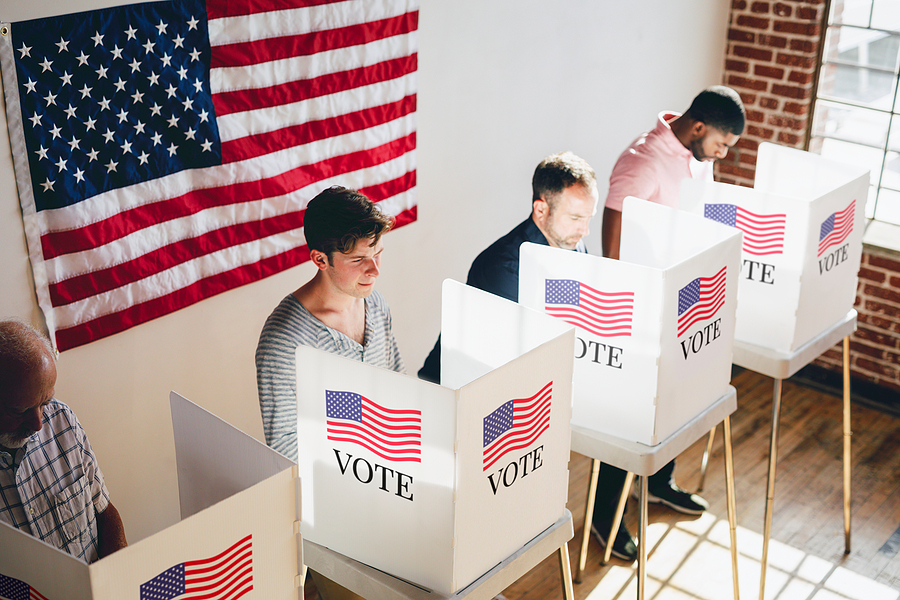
x,y
540,208
698,130
319,258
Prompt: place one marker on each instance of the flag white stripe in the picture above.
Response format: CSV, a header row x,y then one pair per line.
x,y
115,201
266,25
275,72
183,275
265,120
162,234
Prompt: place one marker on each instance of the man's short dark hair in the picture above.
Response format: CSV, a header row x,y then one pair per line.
x,y
558,172
339,217
719,107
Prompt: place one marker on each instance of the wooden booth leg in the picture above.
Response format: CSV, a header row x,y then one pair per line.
x,y
847,435
732,511
588,518
617,519
642,541
565,572
770,485
705,461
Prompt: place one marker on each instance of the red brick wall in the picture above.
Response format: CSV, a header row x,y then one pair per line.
x,y
771,60
875,347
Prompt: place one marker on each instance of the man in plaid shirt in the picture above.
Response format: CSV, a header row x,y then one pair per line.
x,y
50,483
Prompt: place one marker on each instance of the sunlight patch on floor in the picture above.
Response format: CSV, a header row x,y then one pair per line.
x,y
692,561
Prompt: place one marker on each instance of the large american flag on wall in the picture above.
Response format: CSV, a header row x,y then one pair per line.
x,y
164,152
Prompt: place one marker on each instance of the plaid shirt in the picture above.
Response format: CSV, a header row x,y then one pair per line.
x,y
52,488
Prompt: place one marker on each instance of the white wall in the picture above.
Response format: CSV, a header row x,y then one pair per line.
x,y
502,84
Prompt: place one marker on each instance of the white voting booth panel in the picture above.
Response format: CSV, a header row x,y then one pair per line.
x,y
655,328
803,225
243,539
431,503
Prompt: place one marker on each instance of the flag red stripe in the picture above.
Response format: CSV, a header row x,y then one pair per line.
x,y
612,295
242,54
163,258
752,218
589,325
226,103
95,329
524,444
390,424
235,589
408,413
391,188
58,243
526,406
217,9
156,261
214,570
393,455
219,556
547,388
514,436
33,594
251,146
411,435
389,428
406,217
526,420
600,312
763,252
843,225
106,325
700,311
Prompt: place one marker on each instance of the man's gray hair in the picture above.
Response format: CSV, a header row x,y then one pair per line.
x,y
17,348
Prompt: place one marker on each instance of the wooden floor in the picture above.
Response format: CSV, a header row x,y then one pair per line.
x,y
689,556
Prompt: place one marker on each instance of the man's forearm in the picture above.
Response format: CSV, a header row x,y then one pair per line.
x,y
612,230
110,531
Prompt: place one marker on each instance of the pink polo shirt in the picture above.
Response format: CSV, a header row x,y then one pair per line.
x,y
653,166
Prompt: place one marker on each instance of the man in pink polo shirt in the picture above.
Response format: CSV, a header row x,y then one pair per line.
x,y
652,168
679,147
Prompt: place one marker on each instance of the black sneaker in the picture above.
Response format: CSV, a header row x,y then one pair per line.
x,y
677,499
624,547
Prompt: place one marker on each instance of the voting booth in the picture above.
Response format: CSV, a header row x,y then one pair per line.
x,y
803,223
239,502
437,484
655,329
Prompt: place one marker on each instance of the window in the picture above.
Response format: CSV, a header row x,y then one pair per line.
x,y
857,108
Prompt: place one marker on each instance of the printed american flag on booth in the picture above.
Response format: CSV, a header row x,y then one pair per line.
x,y
836,228
700,299
164,152
393,434
763,234
607,314
515,425
226,576
13,589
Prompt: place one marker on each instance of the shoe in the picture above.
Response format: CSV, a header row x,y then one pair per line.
x,y
624,547
677,499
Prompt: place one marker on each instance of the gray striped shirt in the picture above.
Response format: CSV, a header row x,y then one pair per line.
x,y
291,325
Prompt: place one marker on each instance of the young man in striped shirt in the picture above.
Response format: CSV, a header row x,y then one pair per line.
x,y
337,311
